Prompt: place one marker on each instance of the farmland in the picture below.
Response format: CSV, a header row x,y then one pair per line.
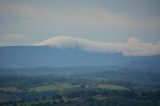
x,y
67,90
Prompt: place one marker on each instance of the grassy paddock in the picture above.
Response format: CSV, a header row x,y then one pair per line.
x,y
111,87
57,87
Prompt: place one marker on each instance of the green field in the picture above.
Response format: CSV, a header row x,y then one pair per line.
x,y
111,87
9,89
99,97
56,87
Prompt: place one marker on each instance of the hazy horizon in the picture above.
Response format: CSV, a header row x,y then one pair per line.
x,y
26,22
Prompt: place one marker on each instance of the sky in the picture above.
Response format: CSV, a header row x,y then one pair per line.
x,y
24,22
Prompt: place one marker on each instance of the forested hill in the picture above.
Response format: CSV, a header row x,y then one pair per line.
x,y
45,56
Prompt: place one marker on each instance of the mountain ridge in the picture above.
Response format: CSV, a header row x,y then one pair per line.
x,y
46,56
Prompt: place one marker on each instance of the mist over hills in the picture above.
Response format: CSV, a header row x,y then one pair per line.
x,y
62,51
133,47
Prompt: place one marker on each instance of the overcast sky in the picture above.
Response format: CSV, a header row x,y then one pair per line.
x,y
27,21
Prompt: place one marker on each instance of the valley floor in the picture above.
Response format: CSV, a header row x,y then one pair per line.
x,y
67,91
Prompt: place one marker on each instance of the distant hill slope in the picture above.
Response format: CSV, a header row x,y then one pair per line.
x,y
46,56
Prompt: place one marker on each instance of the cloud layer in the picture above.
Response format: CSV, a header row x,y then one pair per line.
x,y
103,20
134,47
13,39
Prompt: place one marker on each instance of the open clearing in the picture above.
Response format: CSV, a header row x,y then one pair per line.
x,y
111,87
57,87
9,89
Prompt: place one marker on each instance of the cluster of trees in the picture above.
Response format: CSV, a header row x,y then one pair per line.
x,y
81,96
90,97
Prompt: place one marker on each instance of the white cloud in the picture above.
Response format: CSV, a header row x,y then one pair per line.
x,y
12,36
131,48
133,41
5,43
12,39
